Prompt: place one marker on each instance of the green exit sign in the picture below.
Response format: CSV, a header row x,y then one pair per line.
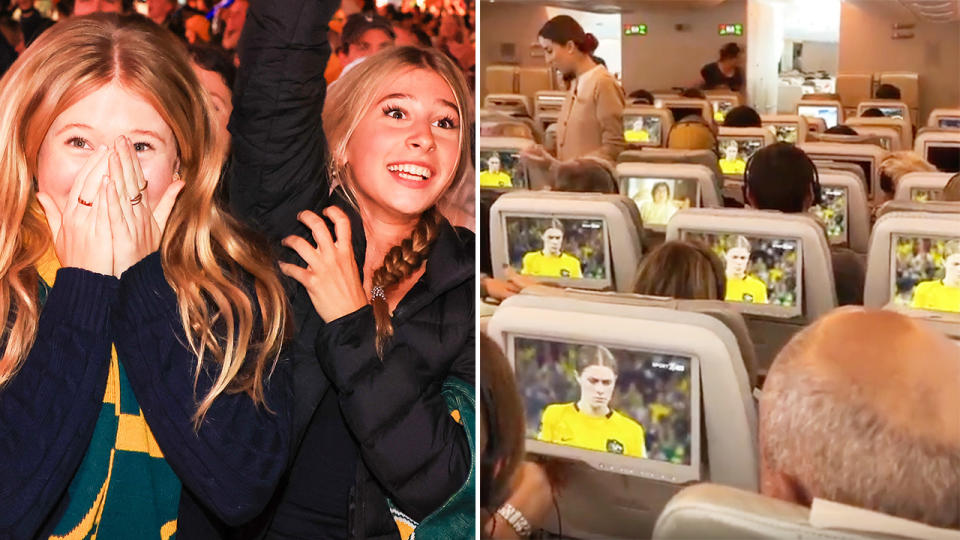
x,y
634,29
731,29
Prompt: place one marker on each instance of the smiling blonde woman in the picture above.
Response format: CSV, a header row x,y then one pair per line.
x,y
382,285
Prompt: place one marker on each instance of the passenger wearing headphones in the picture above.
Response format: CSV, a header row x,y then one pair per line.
x,y
782,177
742,116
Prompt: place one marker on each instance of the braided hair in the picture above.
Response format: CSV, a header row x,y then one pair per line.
x,y
398,264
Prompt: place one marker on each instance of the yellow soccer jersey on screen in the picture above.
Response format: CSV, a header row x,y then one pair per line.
x,y
536,263
749,289
633,135
495,179
936,296
733,166
563,423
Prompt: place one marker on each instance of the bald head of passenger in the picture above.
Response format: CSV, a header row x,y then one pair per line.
x,y
863,408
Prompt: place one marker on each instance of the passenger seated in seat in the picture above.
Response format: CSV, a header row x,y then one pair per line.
x,y
863,408
585,175
640,97
782,177
681,269
892,169
888,91
742,116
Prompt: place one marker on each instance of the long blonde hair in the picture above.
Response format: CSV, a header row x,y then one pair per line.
x,y
203,250
350,99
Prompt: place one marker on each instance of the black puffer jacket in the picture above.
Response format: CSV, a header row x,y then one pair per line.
x,y
411,449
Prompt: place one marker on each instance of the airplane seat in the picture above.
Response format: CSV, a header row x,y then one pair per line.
x,y
846,139
501,79
717,309
854,88
866,156
909,85
908,264
836,184
547,105
727,513
507,129
887,137
603,237
707,158
944,118
616,496
906,223
921,186
531,80
512,104
907,113
788,96
795,296
941,147
931,207
904,129
550,138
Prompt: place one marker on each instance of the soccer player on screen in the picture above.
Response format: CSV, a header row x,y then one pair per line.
x,y
493,176
742,287
551,261
944,294
638,133
731,163
590,423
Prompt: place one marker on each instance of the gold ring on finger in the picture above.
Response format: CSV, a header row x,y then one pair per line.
x,y
136,200
145,184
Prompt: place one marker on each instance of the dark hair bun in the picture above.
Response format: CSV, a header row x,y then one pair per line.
x,y
590,43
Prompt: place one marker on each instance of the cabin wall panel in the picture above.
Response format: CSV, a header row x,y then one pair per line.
x,y
934,51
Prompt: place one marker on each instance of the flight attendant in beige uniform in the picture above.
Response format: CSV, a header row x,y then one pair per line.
x,y
591,120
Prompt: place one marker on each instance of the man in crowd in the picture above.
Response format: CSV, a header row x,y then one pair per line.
x,y
363,36
863,408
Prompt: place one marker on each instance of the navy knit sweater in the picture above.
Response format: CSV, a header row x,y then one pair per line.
x,y
230,466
